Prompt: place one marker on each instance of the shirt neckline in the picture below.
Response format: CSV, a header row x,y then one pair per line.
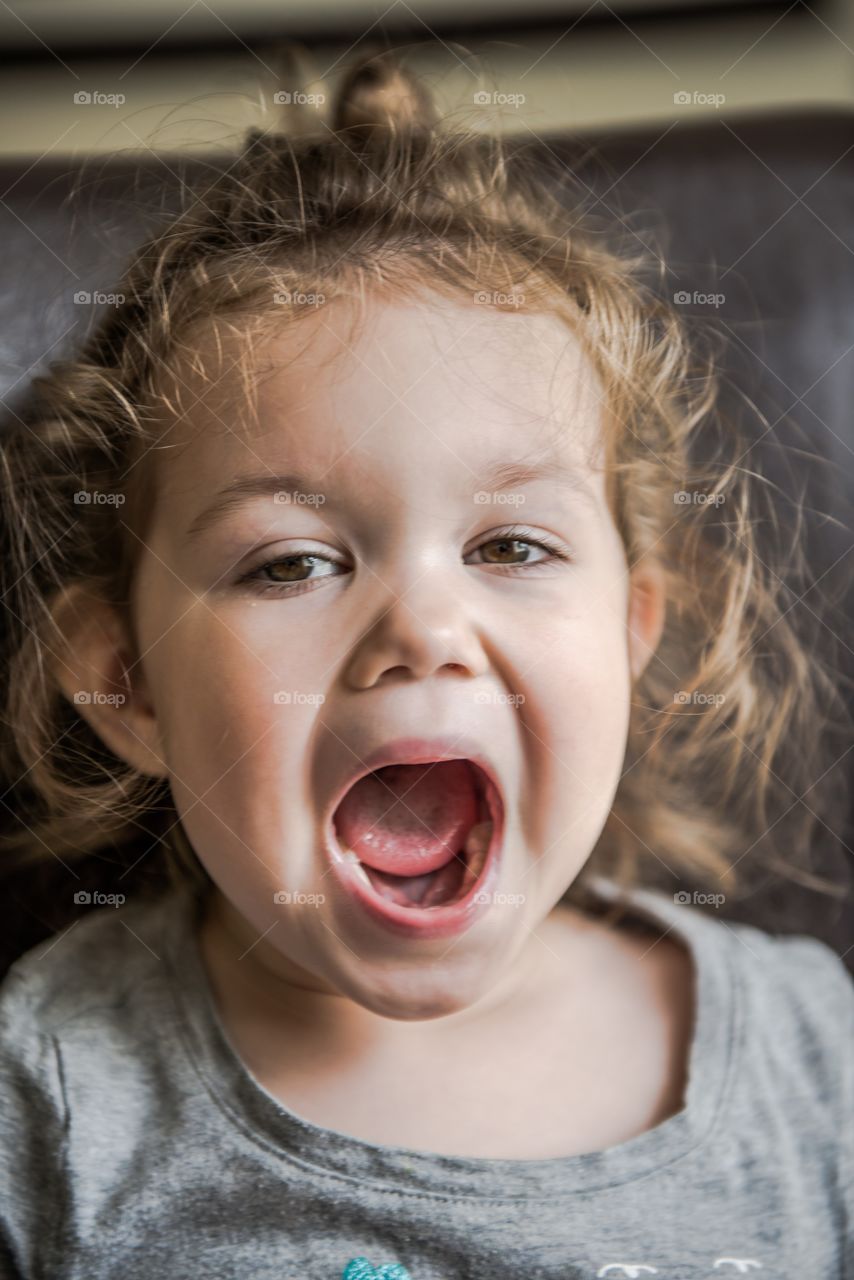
x,y
263,1118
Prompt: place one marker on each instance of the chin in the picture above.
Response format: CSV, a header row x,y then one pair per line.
x,y
416,996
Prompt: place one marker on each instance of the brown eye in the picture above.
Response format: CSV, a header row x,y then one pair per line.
x,y
508,551
291,568
515,551
520,548
288,575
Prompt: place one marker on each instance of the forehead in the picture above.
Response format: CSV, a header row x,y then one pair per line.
x,y
363,386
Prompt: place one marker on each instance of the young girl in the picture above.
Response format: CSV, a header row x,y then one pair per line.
x,y
363,579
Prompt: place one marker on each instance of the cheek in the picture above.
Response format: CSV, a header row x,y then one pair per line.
x,y
236,724
574,670
590,704
577,714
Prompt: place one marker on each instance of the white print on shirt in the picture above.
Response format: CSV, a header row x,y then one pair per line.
x,y
634,1269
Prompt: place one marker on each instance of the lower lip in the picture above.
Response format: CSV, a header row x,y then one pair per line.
x,y
435,922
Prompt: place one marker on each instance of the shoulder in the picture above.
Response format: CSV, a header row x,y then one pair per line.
x,y
791,995
799,1000
792,981
797,1034
77,965
797,985
93,964
74,1011
793,1004
76,1019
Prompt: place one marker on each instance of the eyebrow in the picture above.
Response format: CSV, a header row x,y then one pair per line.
x,y
502,476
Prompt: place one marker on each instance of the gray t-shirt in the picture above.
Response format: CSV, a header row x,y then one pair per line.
x,y
134,1143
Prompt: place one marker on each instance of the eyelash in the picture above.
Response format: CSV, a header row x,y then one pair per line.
x,y
515,534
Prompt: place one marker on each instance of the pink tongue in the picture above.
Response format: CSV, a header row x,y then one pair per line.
x,y
409,819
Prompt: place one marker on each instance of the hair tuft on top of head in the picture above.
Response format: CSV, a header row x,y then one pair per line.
x,y
380,94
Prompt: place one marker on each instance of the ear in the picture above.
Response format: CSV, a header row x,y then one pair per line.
x,y
647,605
96,670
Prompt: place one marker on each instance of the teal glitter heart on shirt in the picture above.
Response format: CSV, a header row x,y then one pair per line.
x,y
361,1269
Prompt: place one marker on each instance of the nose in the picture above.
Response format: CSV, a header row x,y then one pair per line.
x,y
417,633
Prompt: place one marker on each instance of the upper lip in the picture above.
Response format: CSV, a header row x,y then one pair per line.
x,y
419,751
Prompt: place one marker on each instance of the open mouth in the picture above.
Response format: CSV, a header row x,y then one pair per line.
x,y
419,836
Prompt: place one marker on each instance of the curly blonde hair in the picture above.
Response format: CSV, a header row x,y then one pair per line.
x,y
729,720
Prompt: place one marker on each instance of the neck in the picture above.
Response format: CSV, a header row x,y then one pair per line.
x,y
257,987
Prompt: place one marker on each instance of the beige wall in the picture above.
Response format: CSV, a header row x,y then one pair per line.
x,y
545,81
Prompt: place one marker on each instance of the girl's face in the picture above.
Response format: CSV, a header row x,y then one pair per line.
x,y
396,605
